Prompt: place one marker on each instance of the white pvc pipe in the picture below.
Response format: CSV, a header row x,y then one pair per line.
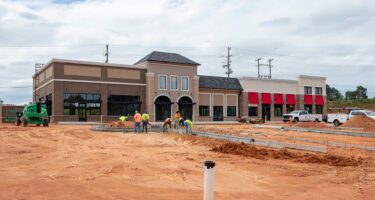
x,y
209,176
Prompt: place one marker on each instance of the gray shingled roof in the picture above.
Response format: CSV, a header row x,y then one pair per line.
x,y
166,57
215,82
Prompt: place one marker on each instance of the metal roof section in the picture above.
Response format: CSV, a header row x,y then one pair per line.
x,y
166,57
216,82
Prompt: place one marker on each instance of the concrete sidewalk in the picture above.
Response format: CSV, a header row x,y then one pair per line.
x,y
156,123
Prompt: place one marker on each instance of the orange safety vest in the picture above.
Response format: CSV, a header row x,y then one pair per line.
x,y
137,117
177,116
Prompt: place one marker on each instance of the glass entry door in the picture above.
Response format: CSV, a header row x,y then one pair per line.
x,y
266,112
82,115
218,113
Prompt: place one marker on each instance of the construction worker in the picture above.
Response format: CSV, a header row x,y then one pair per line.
x,y
145,117
181,121
177,117
123,118
167,122
137,120
189,126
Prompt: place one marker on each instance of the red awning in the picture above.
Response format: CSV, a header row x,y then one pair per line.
x,y
253,98
319,100
308,99
266,98
290,99
278,99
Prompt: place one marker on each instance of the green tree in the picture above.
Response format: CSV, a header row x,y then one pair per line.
x,y
1,102
333,93
359,93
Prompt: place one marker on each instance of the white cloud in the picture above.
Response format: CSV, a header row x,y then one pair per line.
x,y
327,38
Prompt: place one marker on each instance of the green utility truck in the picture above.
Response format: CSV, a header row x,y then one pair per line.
x,y
35,113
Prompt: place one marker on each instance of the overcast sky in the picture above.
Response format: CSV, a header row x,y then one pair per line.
x,y
335,39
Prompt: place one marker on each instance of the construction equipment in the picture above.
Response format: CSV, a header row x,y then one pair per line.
x,y
33,114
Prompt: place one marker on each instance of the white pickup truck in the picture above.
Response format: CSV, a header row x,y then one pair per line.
x,y
340,118
302,116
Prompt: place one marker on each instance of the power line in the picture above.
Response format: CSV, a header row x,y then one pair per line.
x,y
269,53
15,87
140,46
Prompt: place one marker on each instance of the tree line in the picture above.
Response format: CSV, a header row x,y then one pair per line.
x,y
358,94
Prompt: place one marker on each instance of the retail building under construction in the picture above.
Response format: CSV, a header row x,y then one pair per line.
x,y
163,83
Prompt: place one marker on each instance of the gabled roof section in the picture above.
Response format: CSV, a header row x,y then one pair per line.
x,y
215,82
166,57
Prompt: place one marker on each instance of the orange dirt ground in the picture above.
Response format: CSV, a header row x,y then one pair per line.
x,y
314,139
118,124
72,162
364,122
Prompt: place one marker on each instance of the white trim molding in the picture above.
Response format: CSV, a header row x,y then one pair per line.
x,y
178,99
166,95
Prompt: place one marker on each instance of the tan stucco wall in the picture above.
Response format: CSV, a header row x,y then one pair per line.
x,y
49,72
123,73
232,100
74,70
218,99
268,85
204,99
313,82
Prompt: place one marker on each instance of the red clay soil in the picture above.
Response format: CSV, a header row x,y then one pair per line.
x,y
364,122
311,125
120,125
264,154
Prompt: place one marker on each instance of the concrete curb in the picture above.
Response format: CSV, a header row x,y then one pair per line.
x,y
321,131
262,143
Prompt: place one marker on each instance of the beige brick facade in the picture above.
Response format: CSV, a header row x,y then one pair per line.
x,y
145,80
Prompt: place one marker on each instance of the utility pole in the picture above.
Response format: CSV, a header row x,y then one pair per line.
x,y
270,66
228,56
258,65
106,54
